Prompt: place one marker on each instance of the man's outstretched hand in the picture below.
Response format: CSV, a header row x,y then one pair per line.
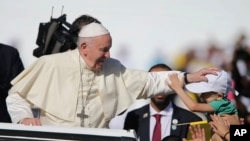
x,y
200,74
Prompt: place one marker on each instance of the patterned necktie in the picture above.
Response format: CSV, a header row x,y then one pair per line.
x,y
157,130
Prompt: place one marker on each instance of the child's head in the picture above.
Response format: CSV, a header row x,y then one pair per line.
x,y
210,96
216,87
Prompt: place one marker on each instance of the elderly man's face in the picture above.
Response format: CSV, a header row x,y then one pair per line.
x,y
97,51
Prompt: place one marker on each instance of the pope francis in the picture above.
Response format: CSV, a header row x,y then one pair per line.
x,y
84,87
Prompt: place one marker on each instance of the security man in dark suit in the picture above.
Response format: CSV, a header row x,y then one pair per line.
x,y
143,122
11,65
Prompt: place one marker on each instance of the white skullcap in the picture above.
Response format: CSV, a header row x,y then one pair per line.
x,y
216,83
93,30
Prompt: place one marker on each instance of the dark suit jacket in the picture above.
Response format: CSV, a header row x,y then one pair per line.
x,y
10,66
135,120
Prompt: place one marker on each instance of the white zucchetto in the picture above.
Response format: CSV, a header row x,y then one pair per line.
x,y
93,30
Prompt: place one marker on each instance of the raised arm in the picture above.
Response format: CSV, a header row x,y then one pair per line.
x,y
157,80
177,85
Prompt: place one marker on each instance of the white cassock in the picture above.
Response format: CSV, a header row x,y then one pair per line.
x,y
61,84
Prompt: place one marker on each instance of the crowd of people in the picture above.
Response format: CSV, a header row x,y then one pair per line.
x,y
85,87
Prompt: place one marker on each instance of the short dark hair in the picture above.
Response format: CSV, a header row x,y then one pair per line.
x,y
164,66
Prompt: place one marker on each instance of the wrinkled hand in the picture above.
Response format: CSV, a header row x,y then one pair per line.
x,y
197,133
219,125
200,75
31,122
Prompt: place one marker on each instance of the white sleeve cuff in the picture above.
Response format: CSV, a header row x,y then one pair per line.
x,y
18,108
156,83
